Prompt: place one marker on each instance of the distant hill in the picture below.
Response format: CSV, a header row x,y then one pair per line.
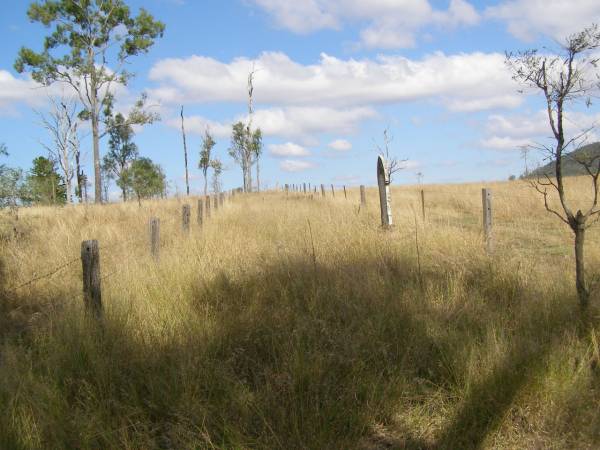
x,y
570,165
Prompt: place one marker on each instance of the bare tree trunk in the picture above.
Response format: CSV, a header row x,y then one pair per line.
x,y
79,177
205,183
582,291
96,140
257,175
187,181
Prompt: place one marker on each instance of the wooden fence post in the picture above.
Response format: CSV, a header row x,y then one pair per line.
x,y
332,191
384,193
423,203
215,202
207,203
92,289
221,199
486,197
200,211
287,189
363,196
345,195
185,218
304,188
155,237
322,190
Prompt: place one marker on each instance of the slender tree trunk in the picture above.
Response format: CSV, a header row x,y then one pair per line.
x,y
582,291
205,184
124,193
187,182
79,177
257,175
96,140
68,189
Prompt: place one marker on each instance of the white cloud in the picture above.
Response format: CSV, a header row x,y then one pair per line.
x,y
409,164
288,149
512,132
556,18
292,165
465,81
19,90
340,145
389,23
302,123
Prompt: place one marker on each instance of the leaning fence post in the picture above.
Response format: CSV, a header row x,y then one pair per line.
x,y
332,191
322,190
423,203
486,197
345,195
384,193
207,206
185,218
92,290
155,237
200,211
363,196
304,186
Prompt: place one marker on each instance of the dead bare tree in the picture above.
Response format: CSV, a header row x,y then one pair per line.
x,y
393,164
185,156
566,77
62,124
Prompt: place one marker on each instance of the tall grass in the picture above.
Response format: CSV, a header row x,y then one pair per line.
x,y
289,323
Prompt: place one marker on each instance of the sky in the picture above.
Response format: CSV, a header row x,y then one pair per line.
x,y
331,76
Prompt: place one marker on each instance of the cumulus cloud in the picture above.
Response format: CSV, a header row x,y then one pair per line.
x,y
293,165
389,23
302,123
288,149
465,81
556,18
340,145
19,90
512,132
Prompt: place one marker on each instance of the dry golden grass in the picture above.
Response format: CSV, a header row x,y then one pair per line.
x,y
287,322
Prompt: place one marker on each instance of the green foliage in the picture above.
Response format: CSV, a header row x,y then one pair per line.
x,y
144,178
12,187
205,156
123,151
87,29
217,167
44,184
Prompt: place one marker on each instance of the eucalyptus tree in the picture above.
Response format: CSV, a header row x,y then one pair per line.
x,y
88,47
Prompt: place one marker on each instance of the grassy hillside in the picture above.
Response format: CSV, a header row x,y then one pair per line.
x,y
293,323
571,166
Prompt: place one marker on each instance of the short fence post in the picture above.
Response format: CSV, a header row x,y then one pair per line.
x,y
363,196
423,203
92,289
207,206
486,197
216,202
322,190
384,193
345,195
200,211
332,191
287,189
155,237
304,188
185,218
221,199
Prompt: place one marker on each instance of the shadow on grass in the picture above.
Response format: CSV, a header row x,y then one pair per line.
x,y
285,356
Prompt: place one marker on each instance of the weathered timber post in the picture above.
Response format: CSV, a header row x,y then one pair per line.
x,y
322,190
345,195
200,211
423,203
363,196
486,197
384,193
92,289
207,206
155,237
287,189
215,202
332,191
221,199
304,185
185,218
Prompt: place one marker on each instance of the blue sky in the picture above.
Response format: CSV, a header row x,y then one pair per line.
x,y
331,76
